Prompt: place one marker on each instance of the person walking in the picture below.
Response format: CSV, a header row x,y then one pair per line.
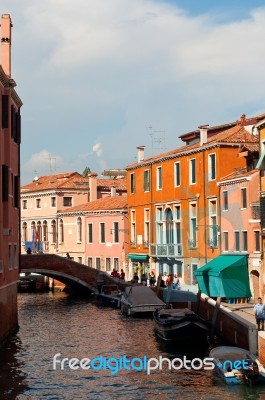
x,y
259,310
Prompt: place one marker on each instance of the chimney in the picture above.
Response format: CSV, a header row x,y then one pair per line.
x,y
140,153
6,25
93,186
243,119
203,134
113,191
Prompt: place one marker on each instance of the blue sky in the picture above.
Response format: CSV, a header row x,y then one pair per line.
x,y
98,79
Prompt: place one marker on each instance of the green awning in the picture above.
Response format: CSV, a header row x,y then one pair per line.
x,y
225,276
137,257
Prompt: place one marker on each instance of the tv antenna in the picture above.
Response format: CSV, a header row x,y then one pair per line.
x,y
52,161
158,140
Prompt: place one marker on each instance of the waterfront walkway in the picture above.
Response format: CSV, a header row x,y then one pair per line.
x,y
244,310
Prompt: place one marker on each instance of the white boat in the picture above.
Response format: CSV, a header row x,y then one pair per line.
x,y
237,365
139,299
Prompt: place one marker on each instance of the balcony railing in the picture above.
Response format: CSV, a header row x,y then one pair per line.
x,y
165,250
146,244
213,243
133,243
255,211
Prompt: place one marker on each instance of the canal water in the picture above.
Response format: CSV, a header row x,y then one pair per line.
x,y
52,323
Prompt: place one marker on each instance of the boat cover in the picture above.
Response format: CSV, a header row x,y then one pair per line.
x,y
141,295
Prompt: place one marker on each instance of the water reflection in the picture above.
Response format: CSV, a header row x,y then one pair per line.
x,y
12,377
58,323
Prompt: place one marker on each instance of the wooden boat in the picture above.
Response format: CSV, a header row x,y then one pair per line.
x,y
110,295
179,324
237,366
139,299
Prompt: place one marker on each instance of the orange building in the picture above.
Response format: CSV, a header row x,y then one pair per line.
x,y
10,135
261,167
173,198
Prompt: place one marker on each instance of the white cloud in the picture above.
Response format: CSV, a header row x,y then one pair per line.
x,y
97,149
108,69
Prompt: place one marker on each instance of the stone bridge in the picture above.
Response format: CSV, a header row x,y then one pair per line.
x,y
71,273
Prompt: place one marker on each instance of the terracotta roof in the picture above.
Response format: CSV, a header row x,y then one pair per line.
x,y
237,135
71,180
119,183
67,180
239,173
103,204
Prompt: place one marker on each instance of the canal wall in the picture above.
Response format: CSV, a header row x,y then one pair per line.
x,y
234,329
8,310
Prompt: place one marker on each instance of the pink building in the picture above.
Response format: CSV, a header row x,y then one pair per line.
x,y
10,135
104,231
240,221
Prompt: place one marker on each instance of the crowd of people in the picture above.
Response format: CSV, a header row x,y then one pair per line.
x,y
165,279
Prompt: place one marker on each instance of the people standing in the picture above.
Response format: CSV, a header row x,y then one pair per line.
x,y
144,279
176,283
135,278
152,279
259,310
122,274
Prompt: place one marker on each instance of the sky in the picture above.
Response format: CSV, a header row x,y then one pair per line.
x,y
99,78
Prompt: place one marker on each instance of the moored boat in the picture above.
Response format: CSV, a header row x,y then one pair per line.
x,y
139,299
110,295
237,366
179,324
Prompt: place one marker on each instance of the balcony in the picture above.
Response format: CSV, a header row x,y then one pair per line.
x,y
213,243
133,243
192,244
165,250
146,244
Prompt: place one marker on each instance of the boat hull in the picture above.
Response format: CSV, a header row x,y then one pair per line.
x,y
179,325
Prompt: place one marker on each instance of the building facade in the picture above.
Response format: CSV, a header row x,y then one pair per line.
x,y
240,221
45,224
10,137
173,198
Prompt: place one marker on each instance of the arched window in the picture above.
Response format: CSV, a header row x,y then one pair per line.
x,y
61,231
79,229
39,231
53,226
24,232
45,231
169,226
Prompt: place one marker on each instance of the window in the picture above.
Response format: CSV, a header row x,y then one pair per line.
x,y
177,174
98,263
132,183
257,240
159,225
79,229
24,232
193,225
194,268
146,227
10,257
244,198
5,182
38,203
102,232
133,229
116,232
237,241
260,163
116,263
90,233
79,259
226,243
245,240
54,233
213,228
177,216
225,200
61,231
53,201
146,180
90,262
192,171
108,264
159,178
211,167
24,204
67,201
5,110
